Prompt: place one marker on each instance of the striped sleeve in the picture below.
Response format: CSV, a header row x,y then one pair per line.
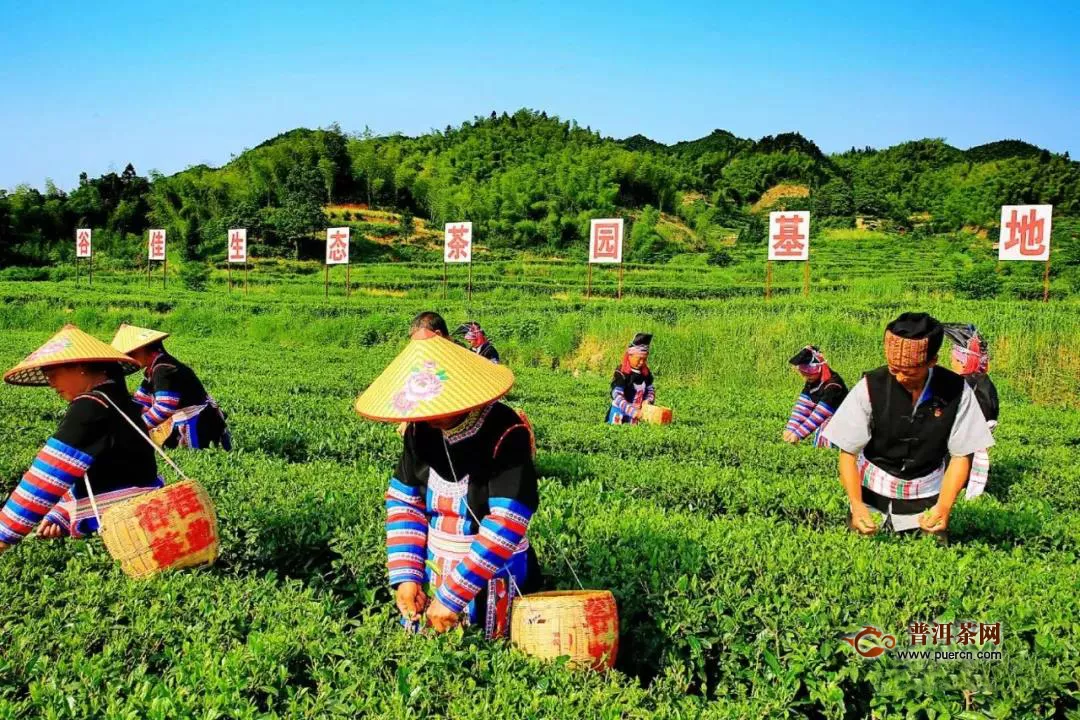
x,y
406,533
165,405
619,402
500,533
143,397
650,393
818,415
54,472
799,413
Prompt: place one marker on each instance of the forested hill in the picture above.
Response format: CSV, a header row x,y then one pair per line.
x,y
532,181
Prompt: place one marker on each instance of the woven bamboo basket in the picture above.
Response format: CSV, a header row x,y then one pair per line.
x,y
655,414
167,529
162,432
582,624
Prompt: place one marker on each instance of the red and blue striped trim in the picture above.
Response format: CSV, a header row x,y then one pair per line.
x,y
55,470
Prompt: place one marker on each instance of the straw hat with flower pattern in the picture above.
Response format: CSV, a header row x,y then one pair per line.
x,y
130,337
433,378
67,347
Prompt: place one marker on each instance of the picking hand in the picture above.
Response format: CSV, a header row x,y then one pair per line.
x,y
790,437
4,547
862,521
935,520
441,617
49,530
411,600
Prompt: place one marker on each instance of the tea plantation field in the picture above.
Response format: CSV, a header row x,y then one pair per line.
x,y
726,549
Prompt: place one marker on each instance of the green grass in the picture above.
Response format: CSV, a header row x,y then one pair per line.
x,y
726,549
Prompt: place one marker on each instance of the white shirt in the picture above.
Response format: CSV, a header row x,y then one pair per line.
x,y
849,428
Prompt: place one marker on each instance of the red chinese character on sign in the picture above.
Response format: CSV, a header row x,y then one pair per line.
x,y
185,502
606,240
990,633
967,633
236,246
918,632
157,243
1027,231
457,244
199,535
84,242
153,515
788,241
167,549
338,246
942,634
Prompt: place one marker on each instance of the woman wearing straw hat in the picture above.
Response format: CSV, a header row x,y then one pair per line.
x,y
177,410
459,504
95,459
632,383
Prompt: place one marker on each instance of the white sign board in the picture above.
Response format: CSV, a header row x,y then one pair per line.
x,y
606,241
337,246
457,242
156,245
238,245
1025,232
789,235
84,246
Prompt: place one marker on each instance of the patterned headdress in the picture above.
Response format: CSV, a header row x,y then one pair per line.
x,y
70,346
472,333
433,378
638,346
969,348
912,339
809,361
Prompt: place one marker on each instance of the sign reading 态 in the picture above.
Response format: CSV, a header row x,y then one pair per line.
x,y
1025,232
156,244
457,242
606,241
789,235
238,245
337,246
84,247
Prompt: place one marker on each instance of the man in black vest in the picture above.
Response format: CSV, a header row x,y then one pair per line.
x,y
906,433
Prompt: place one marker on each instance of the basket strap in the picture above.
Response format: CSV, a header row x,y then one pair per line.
x,y
93,501
142,433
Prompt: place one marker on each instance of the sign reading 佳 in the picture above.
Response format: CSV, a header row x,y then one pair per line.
x,y
84,246
337,246
606,241
1025,232
457,242
156,245
238,245
789,235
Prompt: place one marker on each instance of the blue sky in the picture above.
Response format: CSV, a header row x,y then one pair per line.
x,y
92,86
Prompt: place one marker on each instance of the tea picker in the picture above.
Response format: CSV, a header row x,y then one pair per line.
x,y
821,395
633,394
461,499
97,472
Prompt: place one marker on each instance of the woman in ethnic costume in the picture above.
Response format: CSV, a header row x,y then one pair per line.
x,y
177,410
971,360
93,443
459,504
819,400
632,383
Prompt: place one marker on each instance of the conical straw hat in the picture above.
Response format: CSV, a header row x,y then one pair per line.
x,y
433,378
129,337
70,345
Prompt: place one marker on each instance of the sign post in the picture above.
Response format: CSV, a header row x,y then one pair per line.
x,y
457,248
337,252
84,248
605,247
156,251
1025,235
789,239
237,253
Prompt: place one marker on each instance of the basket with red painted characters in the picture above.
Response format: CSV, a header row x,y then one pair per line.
x,y
581,624
167,529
